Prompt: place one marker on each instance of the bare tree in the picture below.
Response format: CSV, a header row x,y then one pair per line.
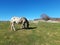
x,y
45,17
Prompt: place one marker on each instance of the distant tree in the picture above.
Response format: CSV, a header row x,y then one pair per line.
x,y
45,17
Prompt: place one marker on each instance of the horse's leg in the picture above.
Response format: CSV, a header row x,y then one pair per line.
x,y
23,25
27,24
12,26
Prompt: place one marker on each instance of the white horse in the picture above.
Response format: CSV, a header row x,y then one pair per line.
x,y
17,20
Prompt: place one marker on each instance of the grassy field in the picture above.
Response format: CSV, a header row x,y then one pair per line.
x,y
38,34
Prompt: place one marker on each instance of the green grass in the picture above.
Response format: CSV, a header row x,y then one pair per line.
x,y
39,34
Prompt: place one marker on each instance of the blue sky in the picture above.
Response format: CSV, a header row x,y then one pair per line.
x,y
31,9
